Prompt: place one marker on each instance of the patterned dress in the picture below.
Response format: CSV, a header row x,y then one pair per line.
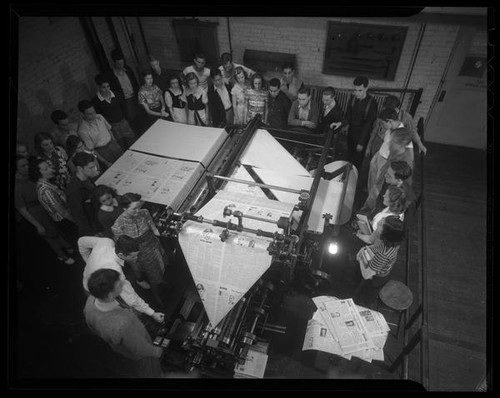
x,y
152,258
58,159
257,100
238,94
151,96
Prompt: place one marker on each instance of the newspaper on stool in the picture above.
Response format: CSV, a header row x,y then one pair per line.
x,y
341,327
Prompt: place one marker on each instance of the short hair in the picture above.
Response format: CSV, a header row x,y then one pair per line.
x,y
239,70
329,91
127,198
72,143
304,90
82,159
257,76
20,157
401,136
392,231
172,77
275,82
361,81
99,191
83,105
288,65
192,76
102,282
226,57
101,78
200,54
126,244
388,114
116,54
215,72
398,199
391,101
58,115
39,138
34,172
402,170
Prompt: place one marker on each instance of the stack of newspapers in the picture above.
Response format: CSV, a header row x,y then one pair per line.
x,y
341,327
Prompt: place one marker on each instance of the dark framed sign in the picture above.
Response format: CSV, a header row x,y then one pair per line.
x,y
354,49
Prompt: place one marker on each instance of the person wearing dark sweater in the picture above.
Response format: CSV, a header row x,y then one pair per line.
x,y
220,100
79,194
109,105
278,106
331,115
361,114
124,85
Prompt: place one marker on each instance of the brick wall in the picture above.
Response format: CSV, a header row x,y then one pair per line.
x,y
55,71
306,38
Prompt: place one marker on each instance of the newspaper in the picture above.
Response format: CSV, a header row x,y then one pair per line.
x,y
342,328
223,272
156,179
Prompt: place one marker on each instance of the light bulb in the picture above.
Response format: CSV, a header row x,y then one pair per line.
x,y
333,248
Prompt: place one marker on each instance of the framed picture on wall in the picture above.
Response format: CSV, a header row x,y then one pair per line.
x,y
354,49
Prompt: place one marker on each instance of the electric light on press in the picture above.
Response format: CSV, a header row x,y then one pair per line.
x,y
333,248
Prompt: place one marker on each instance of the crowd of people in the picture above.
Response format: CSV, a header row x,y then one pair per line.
x,y
56,193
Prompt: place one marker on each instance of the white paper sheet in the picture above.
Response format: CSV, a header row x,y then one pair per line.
x,y
181,141
156,179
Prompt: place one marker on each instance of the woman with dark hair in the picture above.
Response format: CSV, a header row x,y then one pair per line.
x,y
396,202
376,261
27,204
52,199
238,94
174,100
151,99
108,210
138,224
255,99
55,155
197,101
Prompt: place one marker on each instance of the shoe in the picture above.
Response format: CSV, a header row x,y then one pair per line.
x,y
144,285
66,260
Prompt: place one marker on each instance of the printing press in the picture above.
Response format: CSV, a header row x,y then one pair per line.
x,y
250,222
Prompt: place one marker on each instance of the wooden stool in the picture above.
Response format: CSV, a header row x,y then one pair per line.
x,y
397,297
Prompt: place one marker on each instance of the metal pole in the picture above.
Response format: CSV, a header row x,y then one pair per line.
x,y
257,184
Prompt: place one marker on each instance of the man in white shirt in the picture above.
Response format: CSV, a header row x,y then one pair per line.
x,y
199,69
101,253
228,68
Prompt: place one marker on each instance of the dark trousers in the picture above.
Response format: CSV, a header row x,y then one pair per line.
x,y
356,158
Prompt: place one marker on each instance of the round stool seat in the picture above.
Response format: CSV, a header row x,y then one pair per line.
x,y
396,295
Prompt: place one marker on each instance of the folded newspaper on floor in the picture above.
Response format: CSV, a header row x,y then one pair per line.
x,y
342,328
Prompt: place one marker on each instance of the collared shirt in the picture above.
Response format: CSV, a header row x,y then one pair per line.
x,y
224,96
125,83
104,98
202,76
95,134
99,253
150,96
291,89
304,111
384,148
279,107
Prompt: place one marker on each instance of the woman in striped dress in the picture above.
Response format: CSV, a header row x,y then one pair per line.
x,y
138,224
255,99
376,260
